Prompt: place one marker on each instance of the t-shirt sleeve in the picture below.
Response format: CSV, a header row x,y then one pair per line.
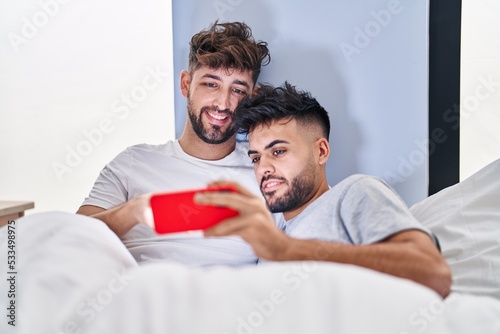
x,y
110,188
372,211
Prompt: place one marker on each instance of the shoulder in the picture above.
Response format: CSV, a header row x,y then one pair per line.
x,y
352,189
366,188
357,181
141,152
142,148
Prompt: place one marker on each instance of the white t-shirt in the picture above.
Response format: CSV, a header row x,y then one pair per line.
x,y
145,168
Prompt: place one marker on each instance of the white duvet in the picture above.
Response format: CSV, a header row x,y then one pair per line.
x,y
75,276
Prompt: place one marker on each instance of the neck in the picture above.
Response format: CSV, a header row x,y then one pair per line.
x,y
194,146
323,188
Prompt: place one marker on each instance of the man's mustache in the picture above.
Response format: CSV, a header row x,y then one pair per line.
x,y
269,176
216,110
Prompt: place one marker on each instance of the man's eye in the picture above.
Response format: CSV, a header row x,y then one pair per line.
x,y
255,160
278,152
239,91
210,84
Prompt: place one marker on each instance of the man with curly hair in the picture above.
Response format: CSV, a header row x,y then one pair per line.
x,y
224,64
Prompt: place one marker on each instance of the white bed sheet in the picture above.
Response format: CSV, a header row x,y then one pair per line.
x,y
75,276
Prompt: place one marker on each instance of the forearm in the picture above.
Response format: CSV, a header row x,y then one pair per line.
x,y
115,219
124,217
408,260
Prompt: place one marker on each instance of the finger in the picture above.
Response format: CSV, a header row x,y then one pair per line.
x,y
231,226
264,238
144,208
224,199
148,217
235,201
239,188
146,198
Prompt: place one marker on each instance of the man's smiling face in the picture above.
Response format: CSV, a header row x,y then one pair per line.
x,y
212,97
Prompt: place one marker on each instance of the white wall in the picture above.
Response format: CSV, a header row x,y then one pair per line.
x,y
79,82
479,85
365,61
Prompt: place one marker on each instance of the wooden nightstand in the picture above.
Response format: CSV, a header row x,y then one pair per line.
x,y
11,210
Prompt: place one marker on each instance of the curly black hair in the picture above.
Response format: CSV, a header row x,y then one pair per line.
x,y
271,103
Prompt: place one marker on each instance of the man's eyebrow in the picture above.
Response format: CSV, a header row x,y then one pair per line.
x,y
211,76
242,83
218,78
275,142
270,145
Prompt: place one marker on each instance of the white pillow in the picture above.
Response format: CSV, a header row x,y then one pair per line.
x,y
466,219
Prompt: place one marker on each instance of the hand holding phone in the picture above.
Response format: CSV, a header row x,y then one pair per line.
x,y
177,212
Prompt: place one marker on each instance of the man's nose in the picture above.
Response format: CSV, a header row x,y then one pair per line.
x,y
223,100
265,167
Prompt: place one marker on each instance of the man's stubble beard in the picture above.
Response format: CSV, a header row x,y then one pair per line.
x,y
214,135
299,192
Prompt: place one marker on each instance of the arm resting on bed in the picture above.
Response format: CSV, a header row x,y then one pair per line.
x,y
410,254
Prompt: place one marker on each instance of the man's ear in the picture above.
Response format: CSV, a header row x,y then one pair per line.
x,y
256,90
185,82
324,150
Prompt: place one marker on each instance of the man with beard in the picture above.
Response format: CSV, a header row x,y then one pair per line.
x,y
224,64
359,221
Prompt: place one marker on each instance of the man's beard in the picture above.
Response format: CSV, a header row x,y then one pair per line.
x,y
297,194
213,135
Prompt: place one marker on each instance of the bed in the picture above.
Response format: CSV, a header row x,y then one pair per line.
x,y
73,275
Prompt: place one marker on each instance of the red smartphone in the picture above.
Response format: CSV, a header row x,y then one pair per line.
x,y
177,212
